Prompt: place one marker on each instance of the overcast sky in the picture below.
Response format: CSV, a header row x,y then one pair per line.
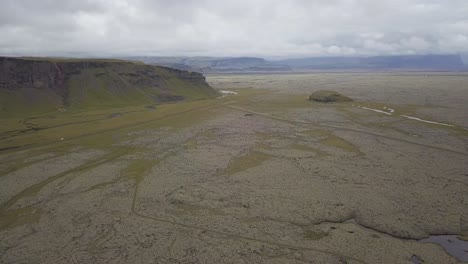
x,y
270,28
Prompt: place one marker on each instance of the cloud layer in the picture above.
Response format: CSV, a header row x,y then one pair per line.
x,y
232,28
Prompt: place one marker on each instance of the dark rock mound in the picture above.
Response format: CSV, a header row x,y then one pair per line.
x,y
326,96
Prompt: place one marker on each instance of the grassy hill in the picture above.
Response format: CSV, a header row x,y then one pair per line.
x,y
35,85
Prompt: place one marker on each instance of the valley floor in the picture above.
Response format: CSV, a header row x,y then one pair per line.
x,y
261,176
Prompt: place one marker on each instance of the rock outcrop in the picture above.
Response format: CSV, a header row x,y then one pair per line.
x,y
326,96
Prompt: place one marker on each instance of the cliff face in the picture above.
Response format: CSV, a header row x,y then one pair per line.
x,y
77,83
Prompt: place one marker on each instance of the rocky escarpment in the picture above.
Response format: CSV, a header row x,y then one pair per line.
x,y
85,82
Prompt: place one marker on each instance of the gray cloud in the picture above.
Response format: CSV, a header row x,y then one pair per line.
x,y
233,28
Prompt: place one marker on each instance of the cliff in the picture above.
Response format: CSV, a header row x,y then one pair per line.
x,y
47,84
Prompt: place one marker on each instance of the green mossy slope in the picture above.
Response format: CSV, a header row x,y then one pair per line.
x,y
38,85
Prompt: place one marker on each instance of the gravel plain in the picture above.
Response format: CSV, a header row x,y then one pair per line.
x,y
261,175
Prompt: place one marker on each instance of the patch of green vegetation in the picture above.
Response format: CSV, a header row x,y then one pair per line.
x,y
24,158
85,126
293,101
136,171
317,133
245,162
99,88
268,101
305,148
245,95
27,102
7,125
337,142
186,117
65,59
352,113
191,143
209,134
36,188
16,164
401,109
18,217
190,91
314,234
138,168
98,141
463,236
264,140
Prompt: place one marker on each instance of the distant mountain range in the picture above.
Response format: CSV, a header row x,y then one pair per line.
x,y
413,62
215,64
251,64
